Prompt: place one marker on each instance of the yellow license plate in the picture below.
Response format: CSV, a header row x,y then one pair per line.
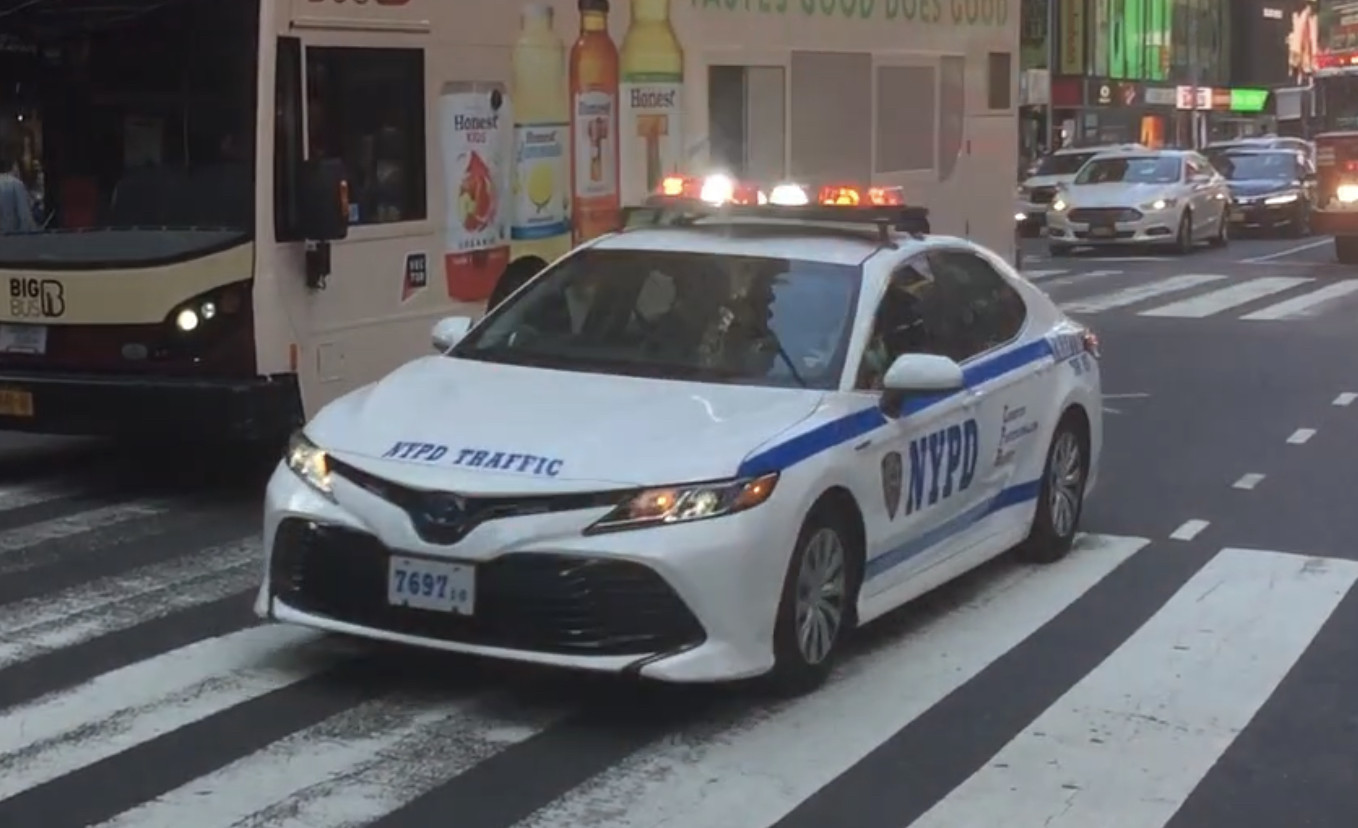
x,y
15,403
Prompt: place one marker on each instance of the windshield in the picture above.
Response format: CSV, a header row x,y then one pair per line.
x,y
1066,164
139,114
682,316
1139,169
1272,166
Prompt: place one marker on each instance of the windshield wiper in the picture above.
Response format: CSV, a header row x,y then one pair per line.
x,y
787,358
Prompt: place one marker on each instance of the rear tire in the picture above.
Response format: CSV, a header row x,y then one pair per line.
x,y
1183,240
817,608
1223,236
1060,498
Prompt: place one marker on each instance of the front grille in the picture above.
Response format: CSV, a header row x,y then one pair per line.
x,y
445,518
1103,215
565,604
1042,195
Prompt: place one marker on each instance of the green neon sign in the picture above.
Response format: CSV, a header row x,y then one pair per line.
x,y
1248,100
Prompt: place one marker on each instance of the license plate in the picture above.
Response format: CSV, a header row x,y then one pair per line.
x,y
23,339
1101,231
420,583
15,403
1237,215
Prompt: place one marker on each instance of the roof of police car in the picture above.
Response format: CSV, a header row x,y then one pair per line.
x,y
780,240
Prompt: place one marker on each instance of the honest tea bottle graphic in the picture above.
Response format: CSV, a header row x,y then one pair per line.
x,y
595,206
540,225
651,141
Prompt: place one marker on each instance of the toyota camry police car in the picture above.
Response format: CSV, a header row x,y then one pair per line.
x,y
703,448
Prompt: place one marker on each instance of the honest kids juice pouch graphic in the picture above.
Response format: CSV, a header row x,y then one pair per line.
x,y
594,125
540,224
473,135
650,142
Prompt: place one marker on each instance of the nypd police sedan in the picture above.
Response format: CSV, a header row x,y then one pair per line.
x,y
695,451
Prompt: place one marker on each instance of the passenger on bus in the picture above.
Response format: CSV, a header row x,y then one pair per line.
x,y
16,207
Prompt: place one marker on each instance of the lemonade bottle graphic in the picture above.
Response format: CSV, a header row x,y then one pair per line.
x,y
595,205
651,141
540,225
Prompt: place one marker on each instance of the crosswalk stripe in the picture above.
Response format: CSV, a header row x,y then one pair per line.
x,y
88,521
1299,306
30,494
123,708
351,769
711,783
1039,275
1207,304
1136,735
82,613
1139,293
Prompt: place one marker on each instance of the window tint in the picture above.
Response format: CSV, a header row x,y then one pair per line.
x,y
675,315
1132,169
999,80
906,322
366,107
989,312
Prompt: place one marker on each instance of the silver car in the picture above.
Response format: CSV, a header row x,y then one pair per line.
x,y
1151,197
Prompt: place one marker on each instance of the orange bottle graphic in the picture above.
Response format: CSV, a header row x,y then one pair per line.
x,y
596,205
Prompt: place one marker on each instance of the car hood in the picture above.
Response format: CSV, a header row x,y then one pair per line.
x,y
1115,194
1257,187
441,422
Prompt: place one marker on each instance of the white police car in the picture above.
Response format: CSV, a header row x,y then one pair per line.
x,y
702,448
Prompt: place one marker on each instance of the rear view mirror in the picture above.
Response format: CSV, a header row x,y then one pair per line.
x,y
323,200
449,331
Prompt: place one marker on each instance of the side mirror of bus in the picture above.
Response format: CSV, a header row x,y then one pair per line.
x,y
449,330
323,203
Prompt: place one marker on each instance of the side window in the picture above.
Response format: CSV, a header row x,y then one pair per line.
x,y
991,313
367,108
287,154
906,323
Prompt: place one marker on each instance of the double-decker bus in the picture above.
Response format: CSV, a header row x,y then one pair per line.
x,y
246,208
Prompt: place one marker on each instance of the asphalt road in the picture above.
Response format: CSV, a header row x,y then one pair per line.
x,y
1194,664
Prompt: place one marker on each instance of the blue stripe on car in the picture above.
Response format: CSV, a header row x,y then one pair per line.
x,y
837,432
892,558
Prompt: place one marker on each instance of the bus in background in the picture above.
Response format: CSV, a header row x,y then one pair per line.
x,y
256,206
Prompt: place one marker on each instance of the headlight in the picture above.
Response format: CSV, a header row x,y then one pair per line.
x,y
308,462
1020,217
1059,204
1160,204
1347,193
685,503
1286,198
224,301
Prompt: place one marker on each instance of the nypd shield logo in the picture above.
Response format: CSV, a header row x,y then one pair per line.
x,y
892,477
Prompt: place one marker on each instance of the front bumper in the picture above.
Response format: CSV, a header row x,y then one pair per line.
x,y
1034,216
1255,214
1112,226
682,603
133,406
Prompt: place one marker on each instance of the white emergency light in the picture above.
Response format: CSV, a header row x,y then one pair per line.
x,y
789,195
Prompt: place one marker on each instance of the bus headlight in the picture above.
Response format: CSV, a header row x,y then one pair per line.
x,y
1346,193
227,300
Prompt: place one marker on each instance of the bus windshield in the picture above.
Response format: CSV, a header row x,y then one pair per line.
x,y
131,127
1338,103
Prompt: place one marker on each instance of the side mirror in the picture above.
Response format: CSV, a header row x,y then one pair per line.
x,y
449,330
323,200
919,374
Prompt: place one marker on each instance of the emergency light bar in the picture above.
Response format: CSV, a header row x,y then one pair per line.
x,y
684,199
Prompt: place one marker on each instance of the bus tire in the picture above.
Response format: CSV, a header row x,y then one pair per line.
x,y
519,272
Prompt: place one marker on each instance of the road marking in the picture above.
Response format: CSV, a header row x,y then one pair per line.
x,y
1345,398
1248,481
1127,258
1297,307
351,769
754,768
93,610
1189,530
1301,435
1288,252
1079,278
31,494
1139,293
1199,307
94,519
1039,275
1134,396
116,711
1138,734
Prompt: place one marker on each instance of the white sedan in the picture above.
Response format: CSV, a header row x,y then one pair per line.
x,y
1141,197
695,452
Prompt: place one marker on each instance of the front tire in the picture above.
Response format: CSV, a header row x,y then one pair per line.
x,y
1223,236
1183,242
1060,499
820,591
